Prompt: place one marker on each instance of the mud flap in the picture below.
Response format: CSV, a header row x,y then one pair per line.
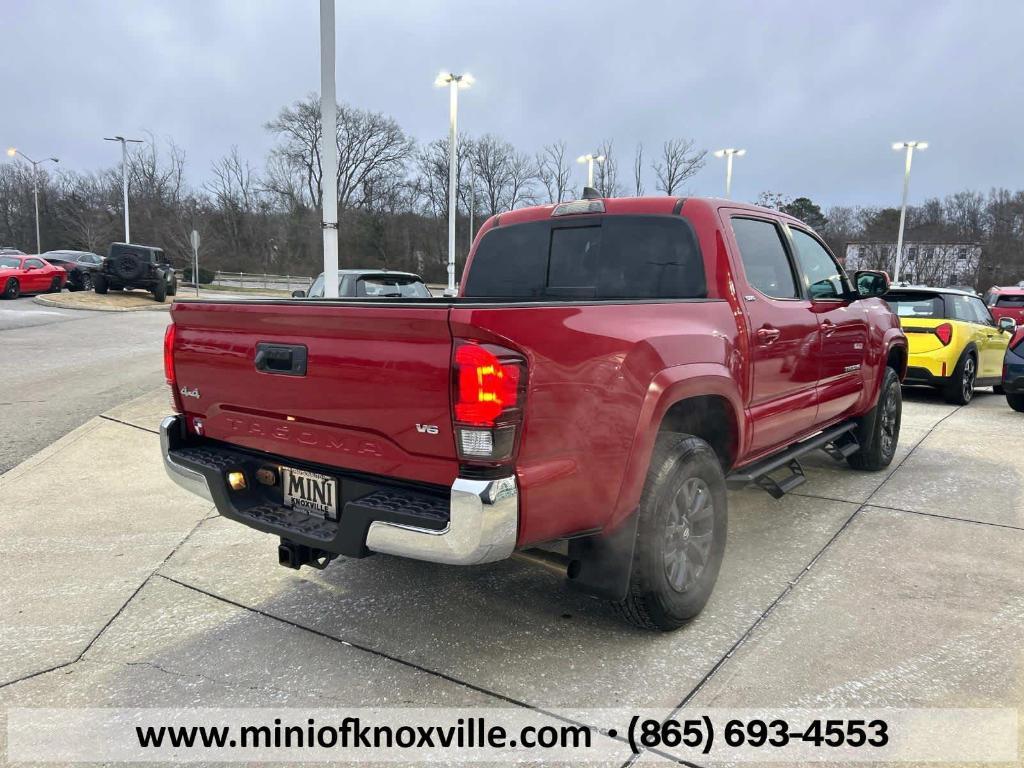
x,y
602,565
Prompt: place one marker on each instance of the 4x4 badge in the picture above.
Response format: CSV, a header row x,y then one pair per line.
x,y
186,392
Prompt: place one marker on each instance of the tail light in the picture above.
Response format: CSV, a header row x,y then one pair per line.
x,y
172,381
944,333
489,391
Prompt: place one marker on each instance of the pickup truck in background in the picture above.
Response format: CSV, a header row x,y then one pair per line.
x,y
609,367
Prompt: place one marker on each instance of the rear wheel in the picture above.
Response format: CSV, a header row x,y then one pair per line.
x,y
879,431
55,285
99,284
86,282
172,289
11,289
160,290
680,534
960,388
1016,402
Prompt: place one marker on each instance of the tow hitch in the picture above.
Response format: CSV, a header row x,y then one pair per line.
x,y
292,555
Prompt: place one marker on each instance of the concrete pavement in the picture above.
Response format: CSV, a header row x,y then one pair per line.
x,y
900,588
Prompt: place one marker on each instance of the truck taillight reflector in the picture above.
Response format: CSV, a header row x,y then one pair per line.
x,y
945,333
490,385
169,336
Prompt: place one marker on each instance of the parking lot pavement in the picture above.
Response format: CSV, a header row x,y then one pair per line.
x,y
854,592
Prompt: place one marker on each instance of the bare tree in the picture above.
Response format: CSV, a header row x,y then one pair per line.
x,y
679,161
368,143
638,167
491,161
554,171
606,174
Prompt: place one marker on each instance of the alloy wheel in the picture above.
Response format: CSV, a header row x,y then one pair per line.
x,y
890,425
688,534
968,380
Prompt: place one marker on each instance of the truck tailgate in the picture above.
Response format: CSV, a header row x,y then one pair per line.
x,y
374,397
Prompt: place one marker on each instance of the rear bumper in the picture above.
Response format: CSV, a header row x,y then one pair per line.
x,y
917,374
476,521
924,368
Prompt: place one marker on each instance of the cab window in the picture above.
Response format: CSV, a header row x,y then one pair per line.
x,y
764,258
824,277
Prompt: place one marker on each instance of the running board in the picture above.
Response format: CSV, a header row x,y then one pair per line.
x,y
839,442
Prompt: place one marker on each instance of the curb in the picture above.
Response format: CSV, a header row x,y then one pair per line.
x,y
64,303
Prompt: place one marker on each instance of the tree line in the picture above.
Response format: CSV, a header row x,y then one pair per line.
x,y
393,199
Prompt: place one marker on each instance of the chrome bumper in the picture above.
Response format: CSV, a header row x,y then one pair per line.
x,y
483,520
482,526
190,480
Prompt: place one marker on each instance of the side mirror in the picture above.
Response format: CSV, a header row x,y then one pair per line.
x,y
298,294
870,283
1007,324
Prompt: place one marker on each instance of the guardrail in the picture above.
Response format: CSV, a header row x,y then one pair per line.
x,y
262,280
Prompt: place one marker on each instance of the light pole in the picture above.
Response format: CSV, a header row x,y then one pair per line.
x,y
454,83
590,159
124,178
729,154
472,200
329,149
910,146
11,152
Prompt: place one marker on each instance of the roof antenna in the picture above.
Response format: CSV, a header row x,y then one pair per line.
x,y
589,193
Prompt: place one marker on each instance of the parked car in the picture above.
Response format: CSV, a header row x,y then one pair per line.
x,y
9,251
80,266
1013,371
955,343
373,283
609,366
1006,302
29,274
136,266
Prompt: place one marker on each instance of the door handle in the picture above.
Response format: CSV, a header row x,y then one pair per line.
x,y
827,327
768,335
286,359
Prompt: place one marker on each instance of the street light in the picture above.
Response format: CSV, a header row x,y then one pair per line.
x,y
729,154
124,178
910,146
454,83
11,152
590,160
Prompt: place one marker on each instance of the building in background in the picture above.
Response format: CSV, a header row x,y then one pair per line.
x,y
939,264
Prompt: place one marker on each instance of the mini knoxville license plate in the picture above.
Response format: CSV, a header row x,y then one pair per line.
x,y
310,492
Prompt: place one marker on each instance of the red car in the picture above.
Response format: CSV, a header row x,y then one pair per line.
x,y
608,368
29,274
1006,302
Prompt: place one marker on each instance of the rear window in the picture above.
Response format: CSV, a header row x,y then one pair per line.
x,y
916,304
392,287
615,257
9,261
1010,301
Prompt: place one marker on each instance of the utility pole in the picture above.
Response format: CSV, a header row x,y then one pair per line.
x,y
124,178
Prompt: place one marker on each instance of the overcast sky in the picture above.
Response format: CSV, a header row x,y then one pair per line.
x,y
816,92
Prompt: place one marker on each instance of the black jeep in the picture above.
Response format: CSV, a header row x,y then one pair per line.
x,y
136,266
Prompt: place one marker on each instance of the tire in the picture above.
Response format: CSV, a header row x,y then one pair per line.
x,y
172,289
99,284
85,284
879,431
1016,402
959,390
12,289
682,527
160,290
54,285
998,390
128,266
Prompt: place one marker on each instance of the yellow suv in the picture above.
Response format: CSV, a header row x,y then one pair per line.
x,y
954,344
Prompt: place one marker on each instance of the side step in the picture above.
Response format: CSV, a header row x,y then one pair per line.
x,y
839,442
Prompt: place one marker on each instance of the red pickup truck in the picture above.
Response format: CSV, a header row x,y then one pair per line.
x,y
608,368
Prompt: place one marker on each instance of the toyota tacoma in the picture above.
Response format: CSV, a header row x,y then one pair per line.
x,y
609,368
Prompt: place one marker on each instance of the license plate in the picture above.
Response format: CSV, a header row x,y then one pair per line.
x,y
310,492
